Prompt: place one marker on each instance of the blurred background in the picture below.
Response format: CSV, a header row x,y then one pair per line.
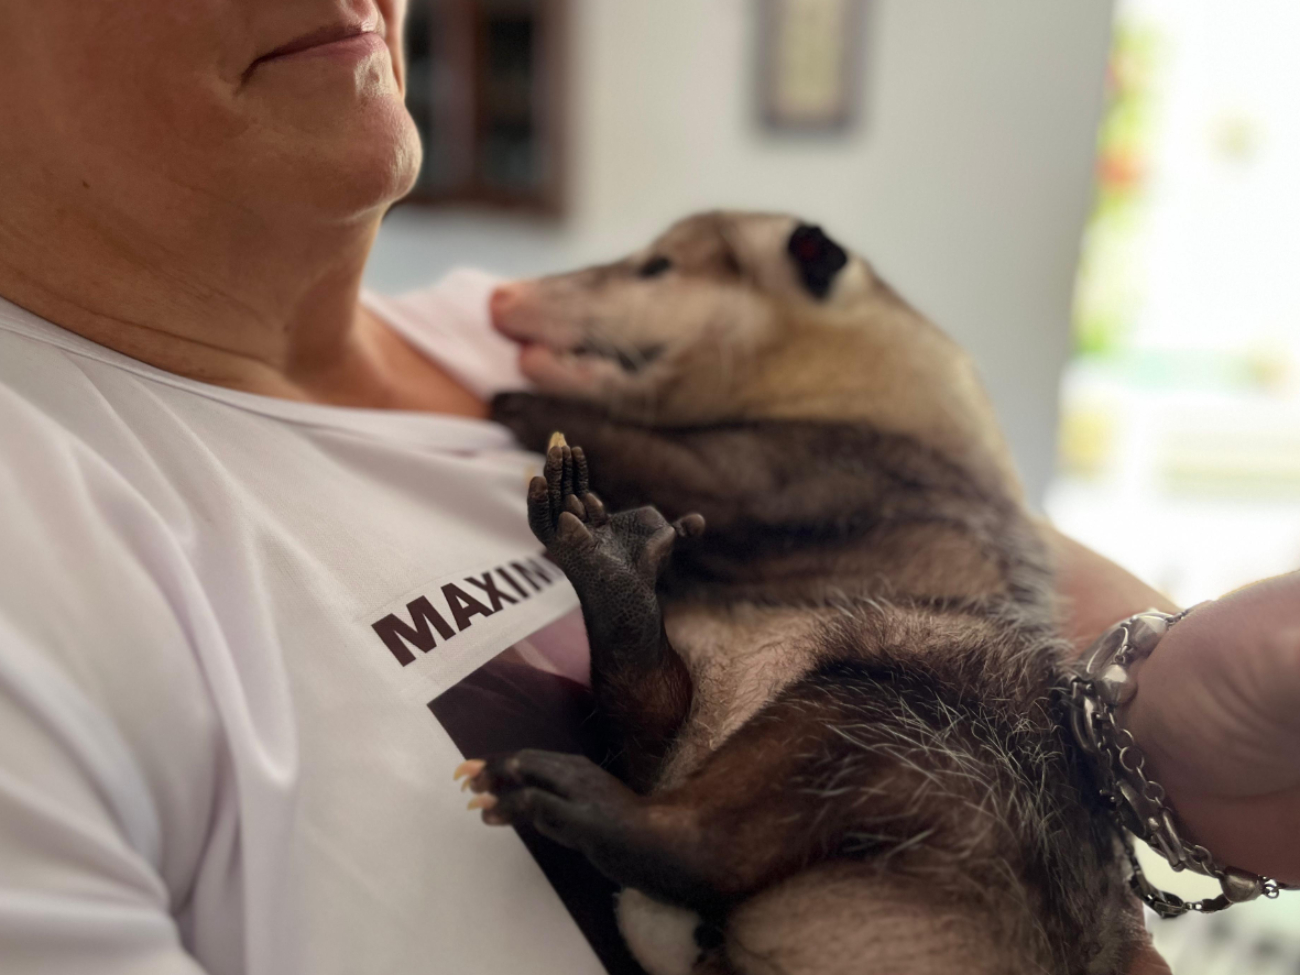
x,y
1179,450
963,167
1098,199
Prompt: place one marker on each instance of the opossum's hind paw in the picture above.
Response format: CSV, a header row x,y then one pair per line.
x,y
566,797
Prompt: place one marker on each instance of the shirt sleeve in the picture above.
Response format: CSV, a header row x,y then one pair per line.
x,y
89,778
450,323
79,840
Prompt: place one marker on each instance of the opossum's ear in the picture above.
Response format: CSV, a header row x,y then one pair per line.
x,y
817,257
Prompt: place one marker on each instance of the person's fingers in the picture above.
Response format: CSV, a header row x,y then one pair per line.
x,y
1221,693
1216,717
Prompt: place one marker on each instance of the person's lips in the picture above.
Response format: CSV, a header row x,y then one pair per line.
x,y
360,33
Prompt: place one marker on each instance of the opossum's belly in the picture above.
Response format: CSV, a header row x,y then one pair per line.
x,y
740,657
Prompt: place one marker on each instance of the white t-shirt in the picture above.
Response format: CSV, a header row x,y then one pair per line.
x,y
223,620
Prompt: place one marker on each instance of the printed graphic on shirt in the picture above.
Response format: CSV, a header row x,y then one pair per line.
x,y
403,637
509,704
444,642
434,636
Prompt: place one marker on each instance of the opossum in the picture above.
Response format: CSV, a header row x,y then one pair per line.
x,y
822,627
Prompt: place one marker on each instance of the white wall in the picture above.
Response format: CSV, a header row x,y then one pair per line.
x,y
967,183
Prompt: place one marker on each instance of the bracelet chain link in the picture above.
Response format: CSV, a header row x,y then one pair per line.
x,y
1093,692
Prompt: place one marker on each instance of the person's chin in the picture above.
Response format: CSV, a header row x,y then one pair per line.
x,y
374,162
339,134
360,158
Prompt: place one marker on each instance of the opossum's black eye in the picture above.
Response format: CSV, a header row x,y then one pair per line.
x,y
654,267
818,258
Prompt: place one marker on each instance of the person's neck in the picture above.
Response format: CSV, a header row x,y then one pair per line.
x,y
267,312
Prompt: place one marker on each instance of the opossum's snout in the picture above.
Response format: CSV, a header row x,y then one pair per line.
x,y
677,330
559,350
515,311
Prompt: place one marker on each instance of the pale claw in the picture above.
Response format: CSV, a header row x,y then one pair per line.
x,y
470,768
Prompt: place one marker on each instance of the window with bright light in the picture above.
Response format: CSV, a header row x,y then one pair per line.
x,y
1180,439
1181,412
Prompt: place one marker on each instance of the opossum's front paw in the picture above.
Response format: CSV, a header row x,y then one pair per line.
x,y
582,537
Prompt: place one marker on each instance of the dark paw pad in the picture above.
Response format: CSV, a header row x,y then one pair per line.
x,y
571,521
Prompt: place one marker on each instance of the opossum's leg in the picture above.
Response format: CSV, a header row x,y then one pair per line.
x,y
787,790
614,563
570,799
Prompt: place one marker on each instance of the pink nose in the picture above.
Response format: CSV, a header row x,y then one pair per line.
x,y
506,299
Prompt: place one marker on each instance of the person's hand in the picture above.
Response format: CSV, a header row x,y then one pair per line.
x,y
1217,714
1217,711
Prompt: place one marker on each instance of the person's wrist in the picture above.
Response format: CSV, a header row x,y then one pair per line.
x,y
1096,691
1211,715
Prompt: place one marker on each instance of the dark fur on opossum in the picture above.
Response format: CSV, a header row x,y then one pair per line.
x,y
922,743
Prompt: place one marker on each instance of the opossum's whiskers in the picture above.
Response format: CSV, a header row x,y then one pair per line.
x,y
639,398
726,374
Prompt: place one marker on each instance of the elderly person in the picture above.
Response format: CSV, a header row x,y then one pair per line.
x,y
253,523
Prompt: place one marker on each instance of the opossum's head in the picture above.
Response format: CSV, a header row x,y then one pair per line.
x,y
658,331
747,316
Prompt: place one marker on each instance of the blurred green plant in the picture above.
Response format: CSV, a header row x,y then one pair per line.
x,y
1108,291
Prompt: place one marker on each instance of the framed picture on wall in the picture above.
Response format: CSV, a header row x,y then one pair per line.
x,y
810,64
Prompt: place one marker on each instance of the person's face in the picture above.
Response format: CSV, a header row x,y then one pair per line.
x,y
137,104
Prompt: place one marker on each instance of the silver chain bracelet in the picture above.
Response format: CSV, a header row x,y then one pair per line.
x,y
1094,691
